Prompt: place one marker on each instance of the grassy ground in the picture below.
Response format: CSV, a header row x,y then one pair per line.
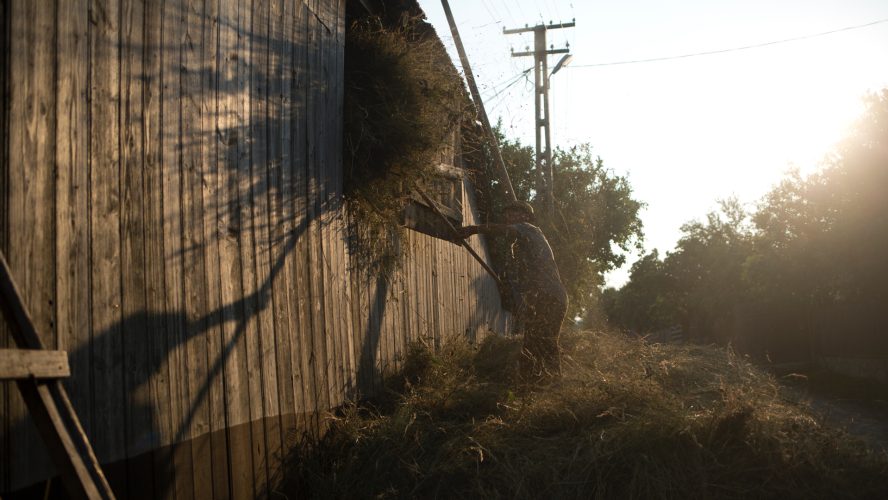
x,y
629,420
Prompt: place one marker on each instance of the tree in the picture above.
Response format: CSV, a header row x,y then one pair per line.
x,y
697,285
647,302
813,246
596,215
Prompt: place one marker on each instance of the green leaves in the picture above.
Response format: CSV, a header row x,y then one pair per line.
x,y
595,215
813,243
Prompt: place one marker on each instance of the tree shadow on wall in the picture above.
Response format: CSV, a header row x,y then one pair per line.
x,y
231,170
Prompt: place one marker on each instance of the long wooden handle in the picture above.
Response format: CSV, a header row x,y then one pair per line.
x,y
479,104
462,242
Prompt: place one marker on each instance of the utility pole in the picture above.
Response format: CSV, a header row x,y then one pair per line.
x,y
540,55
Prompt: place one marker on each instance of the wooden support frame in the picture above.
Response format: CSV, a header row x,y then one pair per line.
x,y
49,405
18,364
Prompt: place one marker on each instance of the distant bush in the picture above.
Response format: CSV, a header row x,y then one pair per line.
x,y
629,420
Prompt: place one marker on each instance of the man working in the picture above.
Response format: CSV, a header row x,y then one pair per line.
x,y
539,295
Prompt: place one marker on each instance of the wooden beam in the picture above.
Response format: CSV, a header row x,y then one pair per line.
x,y
459,241
27,363
49,406
479,104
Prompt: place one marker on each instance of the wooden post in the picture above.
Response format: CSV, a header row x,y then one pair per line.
x,y
49,406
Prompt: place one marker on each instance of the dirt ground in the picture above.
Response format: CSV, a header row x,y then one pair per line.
x,y
858,406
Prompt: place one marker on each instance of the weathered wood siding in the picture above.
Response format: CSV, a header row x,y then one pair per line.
x,y
171,206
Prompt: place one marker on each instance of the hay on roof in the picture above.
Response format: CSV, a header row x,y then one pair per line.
x,y
403,100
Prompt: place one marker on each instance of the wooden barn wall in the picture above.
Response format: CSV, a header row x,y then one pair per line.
x,y
439,291
170,204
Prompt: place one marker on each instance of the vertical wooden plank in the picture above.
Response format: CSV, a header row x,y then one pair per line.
x,y
231,53
434,291
315,196
261,163
156,289
429,292
466,285
445,274
301,182
333,290
427,299
368,332
416,286
457,305
434,295
72,195
422,276
377,329
439,297
197,411
419,277
6,388
474,290
453,271
418,291
397,311
297,201
342,229
279,227
325,169
406,292
107,344
404,303
336,61
386,342
206,141
468,288
404,278
409,286
291,115
174,247
172,40
252,294
358,319
138,411
355,312
31,205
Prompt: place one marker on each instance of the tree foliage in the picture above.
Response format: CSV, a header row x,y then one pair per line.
x,y
816,242
596,215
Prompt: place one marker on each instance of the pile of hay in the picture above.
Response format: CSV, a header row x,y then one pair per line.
x,y
403,100
629,420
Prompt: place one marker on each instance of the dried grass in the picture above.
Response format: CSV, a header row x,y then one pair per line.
x,y
403,99
628,420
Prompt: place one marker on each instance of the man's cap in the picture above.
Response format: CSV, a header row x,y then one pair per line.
x,y
521,206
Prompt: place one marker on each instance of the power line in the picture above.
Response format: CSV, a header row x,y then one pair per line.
x,y
507,10
509,80
511,83
732,49
486,25
487,8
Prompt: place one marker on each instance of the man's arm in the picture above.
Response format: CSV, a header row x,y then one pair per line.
x,y
491,229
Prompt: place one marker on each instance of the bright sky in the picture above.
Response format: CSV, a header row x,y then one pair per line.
x,y
687,131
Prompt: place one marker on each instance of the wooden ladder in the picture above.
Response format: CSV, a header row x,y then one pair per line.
x,y
38,373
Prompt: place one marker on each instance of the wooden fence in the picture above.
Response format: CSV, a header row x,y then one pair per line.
x,y
171,206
